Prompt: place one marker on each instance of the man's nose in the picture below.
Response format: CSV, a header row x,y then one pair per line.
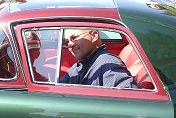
x,y
70,44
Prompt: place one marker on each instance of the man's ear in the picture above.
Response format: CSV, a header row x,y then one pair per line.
x,y
95,36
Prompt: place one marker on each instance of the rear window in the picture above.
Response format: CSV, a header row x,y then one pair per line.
x,y
107,35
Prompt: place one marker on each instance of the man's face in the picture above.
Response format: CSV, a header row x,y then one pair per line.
x,y
80,42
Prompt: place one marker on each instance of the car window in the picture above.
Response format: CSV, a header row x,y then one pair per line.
x,y
107,35
7,64
42,47
115,44
51,58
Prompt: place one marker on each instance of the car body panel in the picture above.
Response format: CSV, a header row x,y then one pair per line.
x,y
62,105
157,37
158,31
23,97
92,12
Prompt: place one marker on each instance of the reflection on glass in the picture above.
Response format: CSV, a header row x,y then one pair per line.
x,y
169,6
7,66
42,47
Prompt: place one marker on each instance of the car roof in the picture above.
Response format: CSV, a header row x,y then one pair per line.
x,y
36,4
32,9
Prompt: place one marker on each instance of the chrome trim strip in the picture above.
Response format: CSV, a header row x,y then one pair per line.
x,y
27,54
116,6
59,56
15,63
115,3
10,28
71,18
13,89
103,87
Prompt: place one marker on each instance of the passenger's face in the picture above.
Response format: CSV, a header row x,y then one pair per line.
x,y
80,43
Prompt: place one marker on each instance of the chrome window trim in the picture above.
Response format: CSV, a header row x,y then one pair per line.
x,y
15,78
69,18
115,3
28,55
59,56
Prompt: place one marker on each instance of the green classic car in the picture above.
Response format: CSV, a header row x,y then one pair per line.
x,y
34,56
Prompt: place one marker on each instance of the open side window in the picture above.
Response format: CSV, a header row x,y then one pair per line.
x,y
118,44
44,43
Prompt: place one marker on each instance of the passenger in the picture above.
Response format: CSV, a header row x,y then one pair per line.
x,y
96,65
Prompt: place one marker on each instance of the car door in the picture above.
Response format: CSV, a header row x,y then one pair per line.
x,y
48,98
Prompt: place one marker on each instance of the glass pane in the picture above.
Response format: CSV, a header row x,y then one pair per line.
x,y
7,66
42,46
105,35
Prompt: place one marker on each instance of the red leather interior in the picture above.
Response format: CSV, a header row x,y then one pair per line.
x,y
67,61
115,48
129,56
136,68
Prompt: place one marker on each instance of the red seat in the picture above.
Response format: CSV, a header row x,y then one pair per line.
x,y
141,76
136,68
67,61
129,56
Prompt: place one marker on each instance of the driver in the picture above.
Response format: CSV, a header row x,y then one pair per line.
x,y
96,65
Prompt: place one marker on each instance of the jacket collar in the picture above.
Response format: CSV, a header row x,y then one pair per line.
x,y
89,58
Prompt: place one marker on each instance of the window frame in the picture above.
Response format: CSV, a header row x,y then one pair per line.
x,y
159,93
